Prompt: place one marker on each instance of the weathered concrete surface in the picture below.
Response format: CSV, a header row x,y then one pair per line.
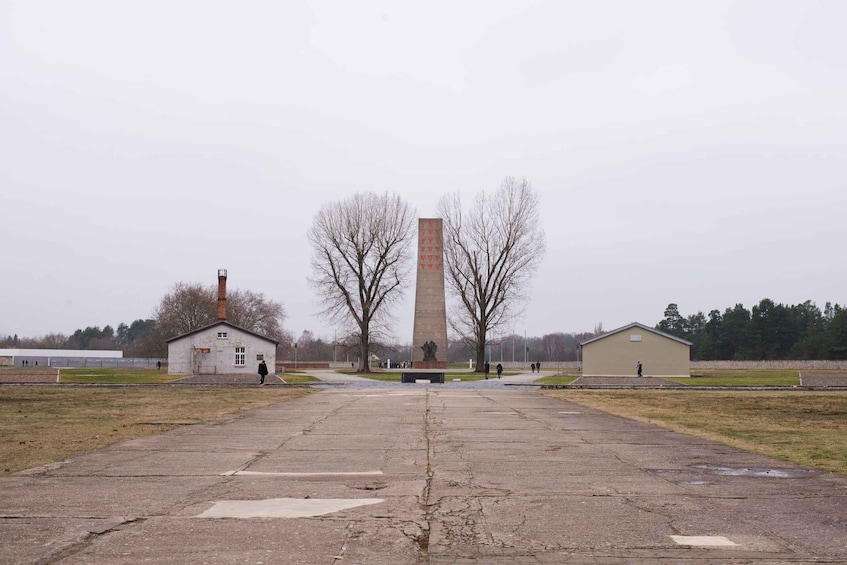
x,y
465,476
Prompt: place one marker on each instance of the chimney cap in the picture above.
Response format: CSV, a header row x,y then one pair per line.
x,y
222,273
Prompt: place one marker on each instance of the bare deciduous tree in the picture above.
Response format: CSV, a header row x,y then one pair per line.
x,y
185,308
190,306
360,256
252,311
490,251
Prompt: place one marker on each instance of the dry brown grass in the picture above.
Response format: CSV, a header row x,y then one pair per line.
x,y
44,424
807,428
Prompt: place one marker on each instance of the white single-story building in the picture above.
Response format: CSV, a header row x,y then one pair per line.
x,y
618,352
220,348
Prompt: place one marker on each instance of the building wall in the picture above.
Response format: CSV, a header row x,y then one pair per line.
x,y
183,359
618,354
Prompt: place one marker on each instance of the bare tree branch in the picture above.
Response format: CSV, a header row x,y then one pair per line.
x,y
190,306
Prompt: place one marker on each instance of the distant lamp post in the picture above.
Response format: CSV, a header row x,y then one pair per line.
x,y
525,347
295,356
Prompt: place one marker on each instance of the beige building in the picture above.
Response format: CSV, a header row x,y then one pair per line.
x,y
617,353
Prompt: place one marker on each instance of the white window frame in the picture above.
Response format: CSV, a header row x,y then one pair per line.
x,y
223,335
240,356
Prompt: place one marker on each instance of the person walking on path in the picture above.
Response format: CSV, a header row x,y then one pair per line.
x,y
487,369
263,372
537,367
639,369
499,370
532,366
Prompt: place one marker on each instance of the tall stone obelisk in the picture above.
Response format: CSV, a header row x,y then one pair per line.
x,y
429,338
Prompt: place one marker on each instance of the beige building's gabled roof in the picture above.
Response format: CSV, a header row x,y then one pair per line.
x,y
222,323
636,325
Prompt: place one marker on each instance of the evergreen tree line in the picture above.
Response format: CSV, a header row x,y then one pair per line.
x,y
768,331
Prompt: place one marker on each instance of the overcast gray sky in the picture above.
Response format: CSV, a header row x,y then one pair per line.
x,y
684,151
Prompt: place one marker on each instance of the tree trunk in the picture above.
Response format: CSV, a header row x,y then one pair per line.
x,y
480,348
364,351
480,360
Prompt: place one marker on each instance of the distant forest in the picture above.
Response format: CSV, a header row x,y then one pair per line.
x,y
768,331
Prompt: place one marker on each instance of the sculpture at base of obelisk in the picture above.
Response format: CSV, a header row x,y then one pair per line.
x,y
429,337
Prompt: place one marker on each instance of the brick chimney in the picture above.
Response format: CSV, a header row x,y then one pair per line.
x,y
221,294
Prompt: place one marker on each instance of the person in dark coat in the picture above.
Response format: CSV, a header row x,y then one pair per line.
x,y
263,372
499,370
639,369
487,369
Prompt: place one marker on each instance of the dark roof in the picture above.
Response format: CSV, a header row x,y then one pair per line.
x,y
222,323
640,326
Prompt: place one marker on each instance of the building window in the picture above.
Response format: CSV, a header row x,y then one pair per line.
x,y
634,337
239,356
260,357
221,335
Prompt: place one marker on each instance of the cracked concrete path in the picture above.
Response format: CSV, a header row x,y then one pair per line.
x,y
422,475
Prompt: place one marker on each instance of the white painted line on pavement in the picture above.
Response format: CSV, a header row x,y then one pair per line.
x,y
319,474
704,541
386,394
570,412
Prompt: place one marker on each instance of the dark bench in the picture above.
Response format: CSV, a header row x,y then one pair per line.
x,y
411,377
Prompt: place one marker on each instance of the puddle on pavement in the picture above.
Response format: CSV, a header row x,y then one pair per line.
x,y
762,472
836,523
370,486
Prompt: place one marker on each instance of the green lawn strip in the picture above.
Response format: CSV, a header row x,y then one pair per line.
x,y
448,377
556,380
806,428
105,375
741,378
298,378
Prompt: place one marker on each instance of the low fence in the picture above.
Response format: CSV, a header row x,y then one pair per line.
x,y
770,365
73,362
291,365
575,366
